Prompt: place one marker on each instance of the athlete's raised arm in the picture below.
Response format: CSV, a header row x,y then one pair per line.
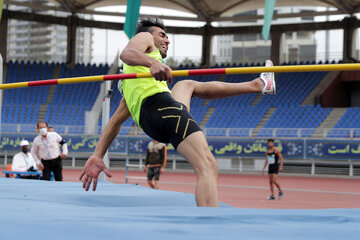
x,y
134,54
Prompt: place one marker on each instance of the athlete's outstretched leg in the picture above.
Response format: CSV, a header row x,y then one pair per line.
x,y
184,90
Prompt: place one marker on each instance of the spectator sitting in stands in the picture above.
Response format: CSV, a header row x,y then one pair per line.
x,y
51,129
24,161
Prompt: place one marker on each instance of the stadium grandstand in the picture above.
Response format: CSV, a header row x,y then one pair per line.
x,y
314,118
65,105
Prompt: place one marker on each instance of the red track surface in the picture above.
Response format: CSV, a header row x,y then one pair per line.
x,y
250,191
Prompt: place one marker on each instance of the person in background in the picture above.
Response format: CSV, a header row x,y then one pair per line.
x,y
272,158
46,147
52,129
24,162
155,162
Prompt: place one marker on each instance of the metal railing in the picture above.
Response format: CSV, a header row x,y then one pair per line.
x,y
233,165
249,165
344,133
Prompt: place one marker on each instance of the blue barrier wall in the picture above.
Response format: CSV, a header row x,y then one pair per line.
x,y
230,147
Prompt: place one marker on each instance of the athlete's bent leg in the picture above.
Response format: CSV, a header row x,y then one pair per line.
x,y
195,149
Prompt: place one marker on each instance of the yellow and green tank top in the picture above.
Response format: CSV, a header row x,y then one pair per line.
x,y
136,90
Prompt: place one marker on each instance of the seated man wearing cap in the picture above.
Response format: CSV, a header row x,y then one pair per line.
x,y
23,161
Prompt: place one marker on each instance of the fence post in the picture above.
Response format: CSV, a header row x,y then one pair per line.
x,y
351,169
140,162
174,164
73,161
126,169
227,132
5,159
313,168
240,165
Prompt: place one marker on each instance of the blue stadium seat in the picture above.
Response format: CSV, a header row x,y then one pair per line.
x,y
350,120
69,102
241,112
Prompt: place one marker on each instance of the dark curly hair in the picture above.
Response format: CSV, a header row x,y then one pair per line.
x,y
145,24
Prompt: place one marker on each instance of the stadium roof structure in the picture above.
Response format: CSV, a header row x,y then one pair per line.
x,y
206,11
203,10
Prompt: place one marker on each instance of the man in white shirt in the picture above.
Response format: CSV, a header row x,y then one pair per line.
x,y
46,147
23,161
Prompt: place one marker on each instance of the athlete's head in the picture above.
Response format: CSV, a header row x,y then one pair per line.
x,y
156,27
270,143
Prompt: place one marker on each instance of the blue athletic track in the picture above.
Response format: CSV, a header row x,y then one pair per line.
x,y
31,209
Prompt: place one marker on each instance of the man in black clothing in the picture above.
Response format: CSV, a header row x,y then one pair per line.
x,y
155,162
272,158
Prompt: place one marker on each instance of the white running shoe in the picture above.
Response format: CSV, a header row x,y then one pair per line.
x,y
269,80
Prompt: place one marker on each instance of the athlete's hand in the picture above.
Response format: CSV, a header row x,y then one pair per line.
x,y
263,172
144,169
281,168
93,166
161,72
162,170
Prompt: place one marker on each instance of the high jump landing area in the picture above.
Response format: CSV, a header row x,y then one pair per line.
x,y
313,208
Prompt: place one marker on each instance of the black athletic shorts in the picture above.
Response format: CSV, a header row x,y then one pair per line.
x,y
153,172
166,120
273,169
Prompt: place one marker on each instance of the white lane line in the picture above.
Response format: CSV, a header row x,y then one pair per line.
x,y
266,188
251,187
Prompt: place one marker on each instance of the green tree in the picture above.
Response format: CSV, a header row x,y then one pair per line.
x,y
171,62
187,61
